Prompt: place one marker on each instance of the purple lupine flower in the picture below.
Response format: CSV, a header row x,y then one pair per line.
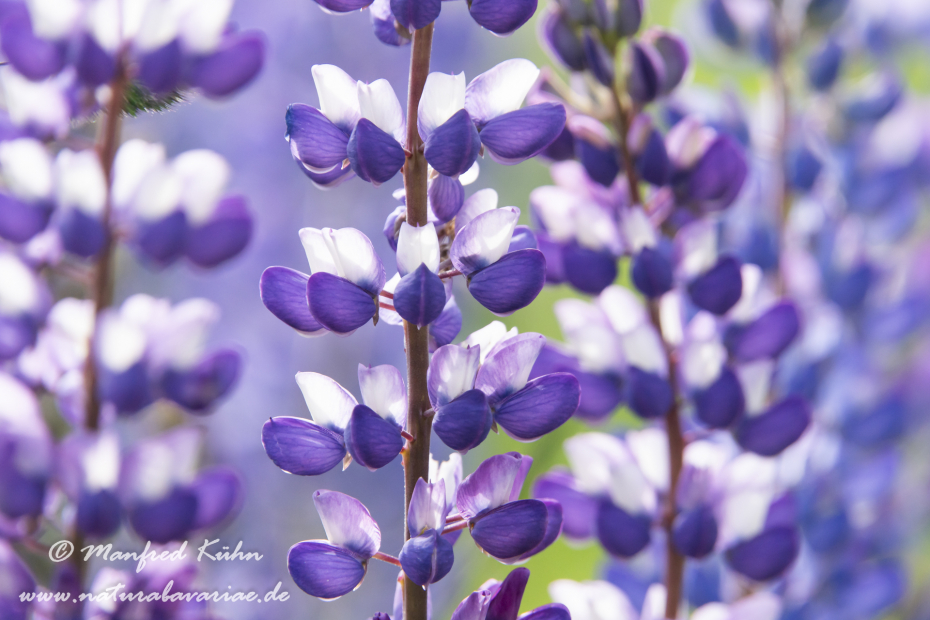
x,y
24,301
334,567
419,296
16,581
501,600
427,556
27,202
26,450
89,469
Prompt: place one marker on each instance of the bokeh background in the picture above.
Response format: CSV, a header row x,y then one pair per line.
x,y
249,131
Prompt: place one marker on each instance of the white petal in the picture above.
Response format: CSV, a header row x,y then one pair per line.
x,y
556,207
54,19
623,308
450,472
120,343
702,358
643,348
443,96
417,245
81,183
488,337
338,94
180,338
158,195
757,606
100,462
19,287
135,159
485,240
650,448
755,379
500,90
596,228
471,175
27,168
696,248
355,257
589,335
390,316
482,201
378,103
202,25
384,392
452,371
203,175
347,522
687,141
711,611
592,600
159,26
638,231
319,255
654,605
44,105
670,317
329,403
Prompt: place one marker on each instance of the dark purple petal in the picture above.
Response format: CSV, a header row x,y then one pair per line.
x,y
722,23
326,180
553,254
652,272
718,289
16,333
823,66
539,408
648,394
426,558
516,136
452,148
284,293
505,603
777,428
416,14
32,56
98,513
337,304
17,580
323,570
652,163
166,519
600,163
560,38
372,441
299,446
163,241
374,154
464,422
629,17
385,26
695,532
94,65
420,297
767,555
523,238
219,494
766,337
198,388
160,69
80,233
343,6
509,531
128,390
392,225
223,236
502,16
722,402
620,533
885,422
234,64
598,60
21,221
315,140
443,330
446,197
647,75
579,511
552,611
822,13
21,494
675,59
511,283
553,528
562,148
589,271
600,395
718,177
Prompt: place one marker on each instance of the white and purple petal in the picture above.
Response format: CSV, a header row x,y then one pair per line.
x,y
443,96
769,433
426,558
223,236
420,297
338,94
463,423
284,293
231,66
511,283
375,155
417,245
512,530
383,390
500,90
329,403
452,372
219,494
507,368
490,485
579,510
315,141
347,523
452,148
484,240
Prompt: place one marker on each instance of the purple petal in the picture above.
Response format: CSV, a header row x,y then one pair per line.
x,y
95,67
420,297
652,273
539,408
446,197
384,392
558,34
695,532
21,494
223,236
507,368
347,522
506,599
767,555
315,141
490,485
766,337
465,422
426,558
823,66
516,136
32,56
128,391
17,580
374,154
382,19
160,69
523,238
600,163
718,177
649,395
326,180
337,304
162,241
769,433
722,402
80,233
502,17
299,446
552,611
718,289
652,163
511,530
600,395
234,64
675,59
443,330
484,240
16,333
284,293
629,17
647,74
219,493
589,271
167,519
21,221
452,148
511,283
553,528
372,441
620,533
198,388
343,6
416,14
324,571
598,60
579,510
98,513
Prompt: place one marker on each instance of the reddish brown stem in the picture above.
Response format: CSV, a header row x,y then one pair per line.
x,y
455,527
390,559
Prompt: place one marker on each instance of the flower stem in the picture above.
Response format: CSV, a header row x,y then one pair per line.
x,y
390,559
783,97
107,143
416,340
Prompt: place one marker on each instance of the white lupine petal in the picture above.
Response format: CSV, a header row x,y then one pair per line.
x,y
54,19
471,175
383,391
443,96
27,168
670,317
591,457
181,338
120,343
757,606
135,159
159,26
347,522
453,370
378,103
500,90
654,605
650,448
589,335
19,288
629,489
482,201
595,228
81,183
750,300
319,255
623,308
203,175
355,257
701,363
592,600
755,379
44,105
687,141
329,403
19,409
417,245
100,462
743,515
643,348
711,611
556,208
638,231
159,194
696,246
161,463
203,23
390,316
486,238
450,472
338,94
